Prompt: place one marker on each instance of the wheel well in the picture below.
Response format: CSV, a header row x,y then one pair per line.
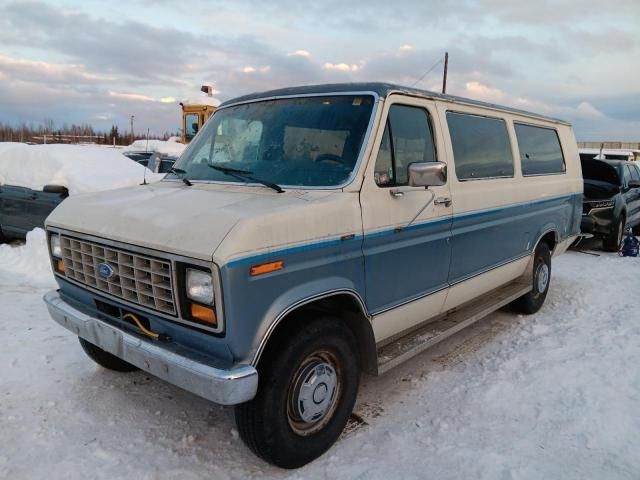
x,y
550,239
343,306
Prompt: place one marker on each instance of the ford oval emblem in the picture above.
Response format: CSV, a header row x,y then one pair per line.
x,y
105,270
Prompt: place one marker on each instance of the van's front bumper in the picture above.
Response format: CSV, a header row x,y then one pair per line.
x,y
223,386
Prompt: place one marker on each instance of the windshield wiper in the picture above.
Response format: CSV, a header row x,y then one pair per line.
x,y
178,172
244,175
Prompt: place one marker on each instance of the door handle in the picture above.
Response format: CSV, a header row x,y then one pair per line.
x,y
396,193
446,201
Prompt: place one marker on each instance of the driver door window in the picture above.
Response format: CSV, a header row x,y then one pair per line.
x,y
407,139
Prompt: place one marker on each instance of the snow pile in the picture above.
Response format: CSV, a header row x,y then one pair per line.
x,y
5,146
170,147
202,100
80,168
554,395
27,264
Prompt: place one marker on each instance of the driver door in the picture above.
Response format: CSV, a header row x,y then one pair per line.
x,y
406,243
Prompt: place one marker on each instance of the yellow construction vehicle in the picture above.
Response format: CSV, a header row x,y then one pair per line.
x,y
196,111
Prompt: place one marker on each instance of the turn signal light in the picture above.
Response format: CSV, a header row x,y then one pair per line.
x,y
266,268
60,266
204,314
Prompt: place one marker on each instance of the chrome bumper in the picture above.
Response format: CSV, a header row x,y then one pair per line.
x,y
226,387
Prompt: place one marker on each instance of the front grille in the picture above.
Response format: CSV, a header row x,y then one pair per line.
x,y
139,279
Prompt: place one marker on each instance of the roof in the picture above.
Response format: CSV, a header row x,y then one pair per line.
x,y
382,90
201,100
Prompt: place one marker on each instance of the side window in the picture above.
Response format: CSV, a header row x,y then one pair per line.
x,y
635,173
540,151
481,147
407,138
191,125
628,175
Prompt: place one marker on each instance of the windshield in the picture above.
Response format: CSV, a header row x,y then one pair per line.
x,y
313,141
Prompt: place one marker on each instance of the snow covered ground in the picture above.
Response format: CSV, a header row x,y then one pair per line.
x,y
552,396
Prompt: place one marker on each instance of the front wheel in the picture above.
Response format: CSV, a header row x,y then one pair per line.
x,y
305,397
532,301
613,241
105,359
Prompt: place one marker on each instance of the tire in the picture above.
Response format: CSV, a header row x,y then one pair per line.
x,y
612,242
285,424
105,359
532,301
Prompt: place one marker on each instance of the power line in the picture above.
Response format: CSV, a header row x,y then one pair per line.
x,y
426,73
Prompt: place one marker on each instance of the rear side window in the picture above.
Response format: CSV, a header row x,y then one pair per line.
x,y
481,147
407,139
540,152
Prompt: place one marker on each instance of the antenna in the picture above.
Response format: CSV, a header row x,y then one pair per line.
x,y
144,175
444,74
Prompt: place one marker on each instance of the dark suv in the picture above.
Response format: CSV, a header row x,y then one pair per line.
x,y
611,200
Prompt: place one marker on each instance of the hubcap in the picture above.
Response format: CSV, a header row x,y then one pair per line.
x,y
543,277
313,394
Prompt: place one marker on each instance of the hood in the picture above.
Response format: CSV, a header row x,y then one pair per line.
x,y
169,216
599,190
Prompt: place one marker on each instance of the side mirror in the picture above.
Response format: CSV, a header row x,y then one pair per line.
x,y
427,174
634,184
59,189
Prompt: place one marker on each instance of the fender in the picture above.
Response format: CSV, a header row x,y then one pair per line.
x,y
297,297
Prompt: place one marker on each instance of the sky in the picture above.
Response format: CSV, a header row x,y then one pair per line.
x,y
100,62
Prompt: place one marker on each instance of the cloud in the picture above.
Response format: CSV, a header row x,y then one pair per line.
x,y
59,73
477,90
343,67
299,53
135,97
586,110
82,61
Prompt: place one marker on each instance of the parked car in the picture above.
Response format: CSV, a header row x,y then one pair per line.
x,y
141,157
35,179
23,209
154,161
310,234
611,200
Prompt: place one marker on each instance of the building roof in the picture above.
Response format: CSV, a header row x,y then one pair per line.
x,y
610,151
382,90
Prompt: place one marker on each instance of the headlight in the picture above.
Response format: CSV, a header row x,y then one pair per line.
x,y
56,249
199,286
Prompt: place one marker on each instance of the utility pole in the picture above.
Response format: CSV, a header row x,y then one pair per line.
x,y
132,137
444,76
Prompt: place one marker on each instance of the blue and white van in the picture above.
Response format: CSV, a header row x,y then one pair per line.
x,y
310,234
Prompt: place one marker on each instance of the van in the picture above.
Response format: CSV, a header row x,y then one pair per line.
x,y
310,234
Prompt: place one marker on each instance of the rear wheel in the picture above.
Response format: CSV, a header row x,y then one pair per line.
x,y
105,359
532,301
305,397
612,242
